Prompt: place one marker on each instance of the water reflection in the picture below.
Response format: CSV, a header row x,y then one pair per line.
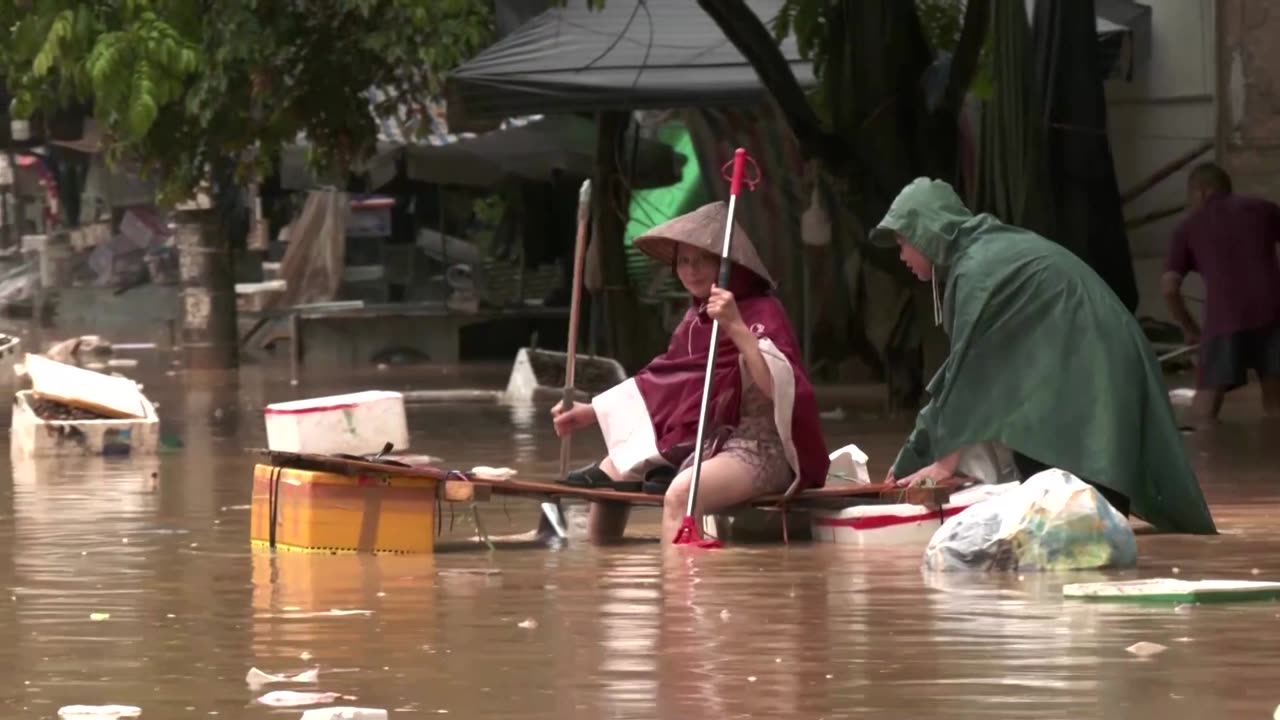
x,y
523,438
159,546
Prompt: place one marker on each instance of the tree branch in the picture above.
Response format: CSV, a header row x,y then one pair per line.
x,y
748,33
964,63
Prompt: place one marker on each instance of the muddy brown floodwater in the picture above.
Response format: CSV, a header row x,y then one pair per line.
x,y
809,631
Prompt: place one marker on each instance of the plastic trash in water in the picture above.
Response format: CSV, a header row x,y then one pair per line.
x,y
294,698
849,464
257,679
345,713
98,712
1053,521
1146,649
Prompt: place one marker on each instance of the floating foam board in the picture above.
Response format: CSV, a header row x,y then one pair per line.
x,y
1169,590
109,395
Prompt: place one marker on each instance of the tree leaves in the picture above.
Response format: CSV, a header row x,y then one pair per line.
x,y
178,84
59,31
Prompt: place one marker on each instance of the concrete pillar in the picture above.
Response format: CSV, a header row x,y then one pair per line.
x,y
207,334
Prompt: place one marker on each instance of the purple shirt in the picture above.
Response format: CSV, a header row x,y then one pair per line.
x,y
1231,242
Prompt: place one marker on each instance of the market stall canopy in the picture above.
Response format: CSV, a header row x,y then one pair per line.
x,y
533,149
528,147
647,54
630,54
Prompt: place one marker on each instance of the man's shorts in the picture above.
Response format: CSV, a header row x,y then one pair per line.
x,y
1225,360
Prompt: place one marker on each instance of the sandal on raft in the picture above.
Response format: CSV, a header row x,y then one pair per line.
x,y
593,478
657,480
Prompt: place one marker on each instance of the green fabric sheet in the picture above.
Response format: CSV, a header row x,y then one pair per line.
x,y
1043,358
655,206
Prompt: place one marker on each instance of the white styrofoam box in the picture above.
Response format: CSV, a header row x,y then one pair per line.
x,y
356,424
522,384
898,523
848,466
32,437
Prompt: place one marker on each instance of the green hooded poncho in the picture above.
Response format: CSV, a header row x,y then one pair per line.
x,y
1043,358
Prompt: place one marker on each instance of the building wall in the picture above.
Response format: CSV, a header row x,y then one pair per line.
x,y
1249,79
1167,109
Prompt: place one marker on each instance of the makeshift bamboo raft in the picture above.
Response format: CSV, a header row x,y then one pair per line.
x,y
458,486
341,503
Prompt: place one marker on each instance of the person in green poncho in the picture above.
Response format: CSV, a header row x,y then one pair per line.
x,y
1044,359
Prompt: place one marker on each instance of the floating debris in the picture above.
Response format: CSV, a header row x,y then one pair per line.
x,y
1146,649
529,624
294,698
258,679
98,712
99,616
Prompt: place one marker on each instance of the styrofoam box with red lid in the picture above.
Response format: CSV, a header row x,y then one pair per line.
x,y
356,424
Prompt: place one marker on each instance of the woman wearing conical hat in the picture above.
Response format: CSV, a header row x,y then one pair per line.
x,y
763,431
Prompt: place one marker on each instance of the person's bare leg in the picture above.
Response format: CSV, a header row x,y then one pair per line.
x,y
1206,406
607,522
1271,396
725,482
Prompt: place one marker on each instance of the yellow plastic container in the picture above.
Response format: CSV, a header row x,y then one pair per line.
x,y
324,512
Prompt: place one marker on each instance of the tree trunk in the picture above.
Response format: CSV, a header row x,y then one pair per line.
x,y
883,132
627,335
208,337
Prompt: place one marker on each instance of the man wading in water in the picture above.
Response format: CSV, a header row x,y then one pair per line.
x,y
1044,359
1231,240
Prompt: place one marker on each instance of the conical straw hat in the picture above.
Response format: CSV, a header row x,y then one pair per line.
x,y
704,229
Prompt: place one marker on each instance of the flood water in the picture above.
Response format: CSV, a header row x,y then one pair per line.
x,y
807,631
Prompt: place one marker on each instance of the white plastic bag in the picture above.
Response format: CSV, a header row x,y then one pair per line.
x,y
815,221
849,466
1053,521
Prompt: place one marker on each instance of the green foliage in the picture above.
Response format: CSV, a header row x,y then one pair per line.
x,y
186,85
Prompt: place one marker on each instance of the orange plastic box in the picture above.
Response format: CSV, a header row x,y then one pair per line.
x,y
324,512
